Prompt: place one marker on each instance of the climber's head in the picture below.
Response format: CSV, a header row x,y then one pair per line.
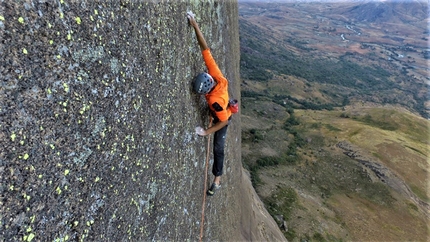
x,y
203,83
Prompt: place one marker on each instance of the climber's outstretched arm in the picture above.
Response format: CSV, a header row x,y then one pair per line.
x,y
199,35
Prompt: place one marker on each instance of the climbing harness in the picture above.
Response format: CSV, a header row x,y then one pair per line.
x,y
205,184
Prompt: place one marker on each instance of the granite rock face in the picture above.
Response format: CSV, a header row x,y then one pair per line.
x,y
97,122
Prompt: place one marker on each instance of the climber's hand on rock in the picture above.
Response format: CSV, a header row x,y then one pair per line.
x,y
190,15
191,18
200,131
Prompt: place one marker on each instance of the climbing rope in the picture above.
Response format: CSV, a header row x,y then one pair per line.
x,y
205,184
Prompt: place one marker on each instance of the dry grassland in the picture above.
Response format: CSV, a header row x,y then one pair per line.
x,y
344,211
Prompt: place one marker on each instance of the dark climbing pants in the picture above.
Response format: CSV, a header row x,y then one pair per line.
x,y
219,142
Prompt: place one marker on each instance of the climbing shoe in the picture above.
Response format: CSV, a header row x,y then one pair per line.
x,y
212,189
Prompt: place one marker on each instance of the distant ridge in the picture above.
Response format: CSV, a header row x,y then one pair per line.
x,y
389,11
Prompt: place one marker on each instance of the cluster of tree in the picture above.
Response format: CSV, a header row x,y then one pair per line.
x,y
290,102
426,54
244,93
289,157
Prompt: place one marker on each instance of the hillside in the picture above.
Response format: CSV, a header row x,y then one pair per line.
x,y
97,124
346,175
334,108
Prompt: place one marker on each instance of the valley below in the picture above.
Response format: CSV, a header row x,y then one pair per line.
x,y
335,117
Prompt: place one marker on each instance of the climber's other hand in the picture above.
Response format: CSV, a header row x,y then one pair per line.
x,y
200,131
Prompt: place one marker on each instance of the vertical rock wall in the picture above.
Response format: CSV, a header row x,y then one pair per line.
x,y
97,121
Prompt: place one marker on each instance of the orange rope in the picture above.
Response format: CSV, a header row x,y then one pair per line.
x,y
205,184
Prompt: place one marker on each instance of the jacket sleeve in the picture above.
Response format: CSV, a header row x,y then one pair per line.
x,y
212,66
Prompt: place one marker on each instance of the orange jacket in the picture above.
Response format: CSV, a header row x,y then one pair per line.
x,y
217,98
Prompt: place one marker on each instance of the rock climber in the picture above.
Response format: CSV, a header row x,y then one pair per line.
x,y
214,86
